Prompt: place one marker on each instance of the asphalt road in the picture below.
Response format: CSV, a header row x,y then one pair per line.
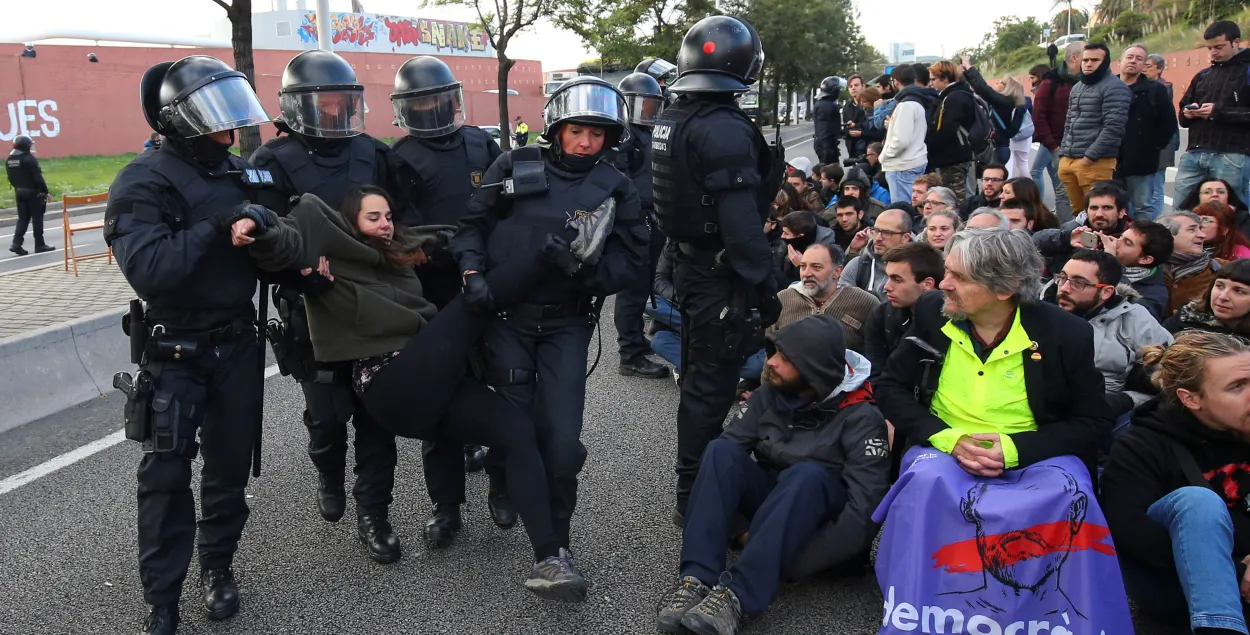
x,y
68,549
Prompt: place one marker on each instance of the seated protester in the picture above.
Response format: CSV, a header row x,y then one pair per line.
x,y
798,180
1224,308
799,231
856,183
1144,250
1017,214
917,216
920,189
1224,240
822,465
992,178
1089,287
1191,269
1000,410
1221,191
818,293
788,200
1029,196
939,198
830,176
911,271
939,227
1106,214
1175,483
988,218
847,223
866,271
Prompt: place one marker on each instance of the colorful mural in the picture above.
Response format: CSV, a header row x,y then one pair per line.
x,y
390,34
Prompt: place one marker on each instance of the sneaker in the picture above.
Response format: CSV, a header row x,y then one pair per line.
x,y
557,578
687,593
718,614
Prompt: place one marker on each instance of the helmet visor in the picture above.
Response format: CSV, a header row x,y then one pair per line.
x,y
661,69
598,103
644,109
330,114
225,104
432,115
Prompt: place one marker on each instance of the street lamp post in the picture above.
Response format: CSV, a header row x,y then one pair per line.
x,y
324,40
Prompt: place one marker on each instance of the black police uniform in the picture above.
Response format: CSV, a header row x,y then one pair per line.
x,y
537,350
827,118
715,176
32,195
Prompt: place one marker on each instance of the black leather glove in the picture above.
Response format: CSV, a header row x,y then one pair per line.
x,y
770,309
557,253
263,217
477,294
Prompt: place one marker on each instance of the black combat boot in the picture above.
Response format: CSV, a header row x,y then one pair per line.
x,y
501,509
221,594
374,530
442,527
44,248
162,620
643,367
331,497
474,458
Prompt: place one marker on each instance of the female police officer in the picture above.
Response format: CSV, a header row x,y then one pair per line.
x,y
537,349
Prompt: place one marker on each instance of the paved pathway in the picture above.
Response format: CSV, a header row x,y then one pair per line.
x,y
50,295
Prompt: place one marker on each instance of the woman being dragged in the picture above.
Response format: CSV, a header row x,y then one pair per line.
x,y
408,367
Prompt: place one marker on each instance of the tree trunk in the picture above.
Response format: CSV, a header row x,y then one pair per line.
x,y
241,38
505,66
790,116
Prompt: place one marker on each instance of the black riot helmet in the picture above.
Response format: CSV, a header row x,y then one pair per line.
x,y
662,70
320,96
831,86
589,101
23,143
720,54
428,101
198,95
643,96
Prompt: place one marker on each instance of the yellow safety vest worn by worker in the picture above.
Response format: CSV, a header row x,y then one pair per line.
x,y
522,128
983,397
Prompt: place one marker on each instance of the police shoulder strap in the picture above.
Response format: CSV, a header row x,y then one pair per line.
x,y
184,183
475,148
296,163
419,158
363,160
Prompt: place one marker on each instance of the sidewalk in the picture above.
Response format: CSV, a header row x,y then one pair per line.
x,y
39,298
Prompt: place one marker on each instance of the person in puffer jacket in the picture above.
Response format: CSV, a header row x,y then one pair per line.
x,y
1097,116
822,465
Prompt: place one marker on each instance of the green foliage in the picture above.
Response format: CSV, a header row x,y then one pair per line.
x,y
624,33
1009,35
1024,57
1130,25
1059,23
76,175
1200,13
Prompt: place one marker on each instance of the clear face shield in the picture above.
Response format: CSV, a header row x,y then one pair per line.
x,y
662,70
329,114
432,115
644,109
588,102
222,105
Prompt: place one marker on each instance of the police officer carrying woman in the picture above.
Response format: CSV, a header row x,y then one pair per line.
x,y
168,221
323,150
562,189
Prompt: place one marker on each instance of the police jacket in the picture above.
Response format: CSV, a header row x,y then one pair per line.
x,y
372,307
840,429
24,173
439,175
633,159
157,222
328,168
500,228
827,118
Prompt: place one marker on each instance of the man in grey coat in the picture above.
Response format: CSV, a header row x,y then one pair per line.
x,y
1097,116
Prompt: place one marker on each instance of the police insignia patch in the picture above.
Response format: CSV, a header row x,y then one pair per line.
x,y
475,178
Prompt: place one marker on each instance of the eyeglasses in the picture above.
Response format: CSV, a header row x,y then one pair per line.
x,y
886,232
1077,284
992,179
935,204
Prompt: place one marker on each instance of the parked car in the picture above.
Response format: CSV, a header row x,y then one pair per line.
x,y
493,131
1064,40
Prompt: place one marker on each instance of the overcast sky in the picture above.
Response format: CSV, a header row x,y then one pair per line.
x,y
937,28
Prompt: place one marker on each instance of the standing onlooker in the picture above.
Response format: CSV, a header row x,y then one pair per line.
x,y
827,119
1021,142
1151,126
950,151
1216,109
31,192
1097,113
853,116
904,156
1008,113
1153,69
1050,113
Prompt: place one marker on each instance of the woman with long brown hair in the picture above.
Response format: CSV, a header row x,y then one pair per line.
x,y
1224,240
1025,190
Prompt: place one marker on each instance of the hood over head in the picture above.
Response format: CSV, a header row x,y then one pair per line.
x,y
817,348
856,176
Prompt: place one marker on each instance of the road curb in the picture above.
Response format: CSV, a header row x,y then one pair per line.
x,y
56,367
52,217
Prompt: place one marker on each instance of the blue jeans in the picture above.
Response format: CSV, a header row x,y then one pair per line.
x,y
1157,184
1140,197
1197,166
785,513
667,344
901,182
1206,577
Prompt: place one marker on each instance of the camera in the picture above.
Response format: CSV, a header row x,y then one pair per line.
x,y
853,161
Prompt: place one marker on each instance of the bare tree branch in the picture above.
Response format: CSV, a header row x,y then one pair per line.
x,y
223,5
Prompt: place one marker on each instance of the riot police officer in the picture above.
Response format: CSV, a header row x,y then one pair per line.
x,y
663,71
555,197
633,158
31,193
168,221
325,152
440,162
827,118
714,178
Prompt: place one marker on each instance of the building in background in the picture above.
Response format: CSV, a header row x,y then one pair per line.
x,y
901,52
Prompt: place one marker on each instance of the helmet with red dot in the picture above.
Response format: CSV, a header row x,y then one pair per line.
x,y
720,54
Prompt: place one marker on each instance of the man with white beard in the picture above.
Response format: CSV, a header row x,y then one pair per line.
x,y
817,293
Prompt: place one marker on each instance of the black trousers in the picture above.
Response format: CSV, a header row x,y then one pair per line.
x,y
709,378
31,207
219,395
540,366
423,393
630,303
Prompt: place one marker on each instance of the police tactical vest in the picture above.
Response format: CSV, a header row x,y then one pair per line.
x,y
355,165
634,160
20,177
684,207
445,177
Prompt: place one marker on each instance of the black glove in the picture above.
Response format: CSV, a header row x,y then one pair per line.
x,y
263,217
557,253
477,294
770,309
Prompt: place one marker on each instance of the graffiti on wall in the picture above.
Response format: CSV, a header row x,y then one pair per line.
x,y
31,118
390,34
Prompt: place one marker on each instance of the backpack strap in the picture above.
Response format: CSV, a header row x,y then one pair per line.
x,y
1189,467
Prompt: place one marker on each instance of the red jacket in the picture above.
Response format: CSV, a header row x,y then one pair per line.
x,y
1050,109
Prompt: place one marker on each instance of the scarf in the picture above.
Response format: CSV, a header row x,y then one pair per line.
x,y
1099,74
1187,265
1133,275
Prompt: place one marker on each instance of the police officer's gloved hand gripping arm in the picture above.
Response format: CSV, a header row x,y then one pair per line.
x,y
469,244
624,252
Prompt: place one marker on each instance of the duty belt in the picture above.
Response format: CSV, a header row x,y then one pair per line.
x,y
191,342
573,308
696,253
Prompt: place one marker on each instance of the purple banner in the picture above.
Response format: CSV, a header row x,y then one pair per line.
x,y
1027,553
